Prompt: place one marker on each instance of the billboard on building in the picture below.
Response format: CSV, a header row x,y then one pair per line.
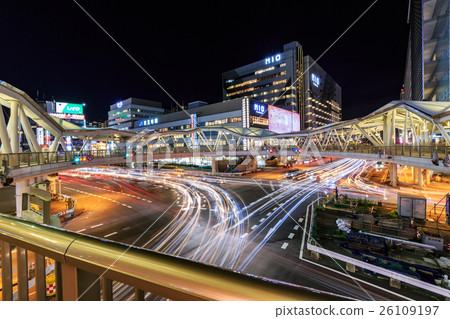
x,y
65,116
283,121
69,108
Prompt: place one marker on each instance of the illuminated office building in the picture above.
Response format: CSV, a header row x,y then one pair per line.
x,y
322,97
280,80
124,114
241,113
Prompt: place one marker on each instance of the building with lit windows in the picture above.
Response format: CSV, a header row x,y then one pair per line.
x,y
277,80
322,97
124,114
243,113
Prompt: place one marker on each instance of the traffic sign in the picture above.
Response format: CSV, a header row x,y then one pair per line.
x,y
90,157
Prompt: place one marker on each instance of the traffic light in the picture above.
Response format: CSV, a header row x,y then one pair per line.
x,y
76,160
270,150
294,150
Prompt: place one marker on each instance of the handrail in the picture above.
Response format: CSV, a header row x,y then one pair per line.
x,y
168,276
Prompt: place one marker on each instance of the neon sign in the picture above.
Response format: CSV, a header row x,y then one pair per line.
x,y
69,108
119,104
315,80
259,108
148,122
272,59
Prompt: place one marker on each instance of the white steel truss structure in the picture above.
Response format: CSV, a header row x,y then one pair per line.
x,y
24,113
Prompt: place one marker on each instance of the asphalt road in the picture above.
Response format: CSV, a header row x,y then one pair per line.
x,y
245,224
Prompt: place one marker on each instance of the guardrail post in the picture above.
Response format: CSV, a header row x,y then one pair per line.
x,y
7,291
69,282
22,273
139,294
58,281
107,289
78,284
40,277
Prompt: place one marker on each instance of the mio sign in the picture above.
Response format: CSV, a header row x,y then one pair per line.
x,y
69,108
272,59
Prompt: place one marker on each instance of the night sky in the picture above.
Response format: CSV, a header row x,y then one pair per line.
x,y
54,47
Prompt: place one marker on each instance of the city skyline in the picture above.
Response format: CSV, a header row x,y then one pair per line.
x,y
67,56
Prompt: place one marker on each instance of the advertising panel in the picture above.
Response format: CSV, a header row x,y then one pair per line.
x,y
40,135
69,108
283,121
69,116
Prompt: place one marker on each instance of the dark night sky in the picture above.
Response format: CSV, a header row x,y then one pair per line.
x,y
53,46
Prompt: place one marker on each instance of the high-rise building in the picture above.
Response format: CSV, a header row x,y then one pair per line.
x,y
427,60
282,80
323,97
124,114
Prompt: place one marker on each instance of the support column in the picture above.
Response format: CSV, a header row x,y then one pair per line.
x,y
213,165
13,127
427,176
21,188
419,177
6,145
31,138
393,174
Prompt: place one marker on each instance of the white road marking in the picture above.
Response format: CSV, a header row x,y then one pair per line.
x,y
291,235
129,206
284,246
244,235
268,214
261,220
300,220
296,227
98,225
110,234
79,231
254,226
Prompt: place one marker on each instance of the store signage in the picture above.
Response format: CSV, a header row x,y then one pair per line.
x,y
119,104
69,108
69,116
272,59
148,122
259,108
315,80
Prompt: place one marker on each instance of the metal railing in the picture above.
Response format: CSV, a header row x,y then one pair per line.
x,y
18,160
428,151
86,267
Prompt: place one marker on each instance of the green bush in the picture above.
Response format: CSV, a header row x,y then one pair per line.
x,y
394,213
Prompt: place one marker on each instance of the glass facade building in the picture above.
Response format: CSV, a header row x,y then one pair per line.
x,y
322,97
427,59
280,80
124,114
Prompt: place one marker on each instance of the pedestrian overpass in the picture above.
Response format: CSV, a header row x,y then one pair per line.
x,y
413,133
401,132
